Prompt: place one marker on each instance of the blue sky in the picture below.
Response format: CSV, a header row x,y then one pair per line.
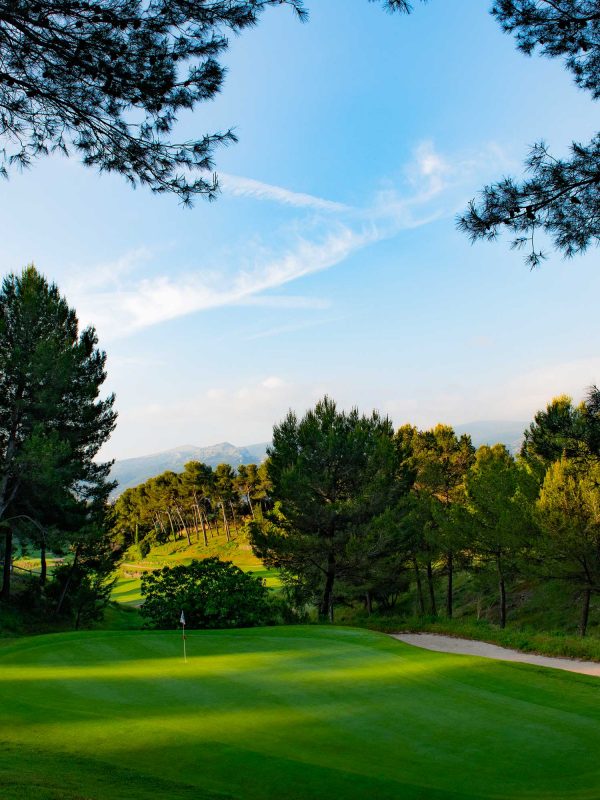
x,y
331,262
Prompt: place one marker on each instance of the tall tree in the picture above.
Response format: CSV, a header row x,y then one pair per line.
x,y
501,493
248,483
569,516
223,493
52,422
331,473
441,461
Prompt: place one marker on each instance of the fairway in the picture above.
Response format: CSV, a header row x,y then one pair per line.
x,y
294,712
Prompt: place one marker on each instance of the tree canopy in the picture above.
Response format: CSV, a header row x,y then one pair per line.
x,y
332,473
569,514
107,78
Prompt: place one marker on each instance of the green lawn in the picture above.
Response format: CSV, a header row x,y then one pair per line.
x,y
297,712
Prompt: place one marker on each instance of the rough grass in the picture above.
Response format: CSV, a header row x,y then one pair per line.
x,y
298,712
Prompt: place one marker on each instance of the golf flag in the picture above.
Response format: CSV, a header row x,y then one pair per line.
x,y
182,623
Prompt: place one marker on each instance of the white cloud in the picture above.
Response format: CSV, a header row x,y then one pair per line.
x,y
248,187
430,171
504,396
109,273
286,301
127,309
119,304
241,414
292,327
273,382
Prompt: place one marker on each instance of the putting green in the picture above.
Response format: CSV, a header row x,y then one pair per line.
x,y
294,712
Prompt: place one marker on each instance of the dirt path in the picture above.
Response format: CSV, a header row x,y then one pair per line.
x,y
469,647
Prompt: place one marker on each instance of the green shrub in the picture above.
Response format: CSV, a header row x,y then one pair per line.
x,y
212,594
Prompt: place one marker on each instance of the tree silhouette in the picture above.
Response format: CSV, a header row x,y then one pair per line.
x,y
107,78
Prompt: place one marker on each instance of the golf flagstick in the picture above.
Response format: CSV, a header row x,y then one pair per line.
x,y
182,621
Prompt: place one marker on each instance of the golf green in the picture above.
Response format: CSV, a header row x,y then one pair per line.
x,y
294,712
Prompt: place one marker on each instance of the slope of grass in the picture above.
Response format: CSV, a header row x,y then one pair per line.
x,y
302,712
127,588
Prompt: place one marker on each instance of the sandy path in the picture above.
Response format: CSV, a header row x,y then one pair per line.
x,y
469,647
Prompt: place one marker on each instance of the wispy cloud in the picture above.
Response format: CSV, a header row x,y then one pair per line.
x,y
248,187
130,308
120,303
291,328
286,301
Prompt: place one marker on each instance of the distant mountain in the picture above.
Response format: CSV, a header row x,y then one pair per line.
x,y
133,471
507,432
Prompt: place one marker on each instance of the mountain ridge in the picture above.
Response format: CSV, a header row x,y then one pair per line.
x,y
131,472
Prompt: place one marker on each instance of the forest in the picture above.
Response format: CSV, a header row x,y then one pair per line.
x,y
354,513
349,511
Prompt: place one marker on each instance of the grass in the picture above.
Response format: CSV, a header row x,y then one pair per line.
x,y
128,587
298,712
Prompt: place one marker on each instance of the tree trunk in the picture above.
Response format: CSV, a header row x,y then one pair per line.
x,y
502,590
225,523
210,526
235,525
202,519
67,583
449,589
158,519
369,603
172,526
585,611
184,527
43,564
5,594
431,589
326,610
419,588
250,504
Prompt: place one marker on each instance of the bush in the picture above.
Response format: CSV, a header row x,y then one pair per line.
x,y
212,593
80,593
144,548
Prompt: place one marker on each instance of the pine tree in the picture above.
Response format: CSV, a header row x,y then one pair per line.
x,y
331,473
52,422
107,79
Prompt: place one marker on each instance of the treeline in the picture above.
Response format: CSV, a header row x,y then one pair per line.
x,y
361,512
198,503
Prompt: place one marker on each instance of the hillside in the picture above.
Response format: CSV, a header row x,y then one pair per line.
x,y
133,471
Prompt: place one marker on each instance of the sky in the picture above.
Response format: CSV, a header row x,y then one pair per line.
x,y
330,264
